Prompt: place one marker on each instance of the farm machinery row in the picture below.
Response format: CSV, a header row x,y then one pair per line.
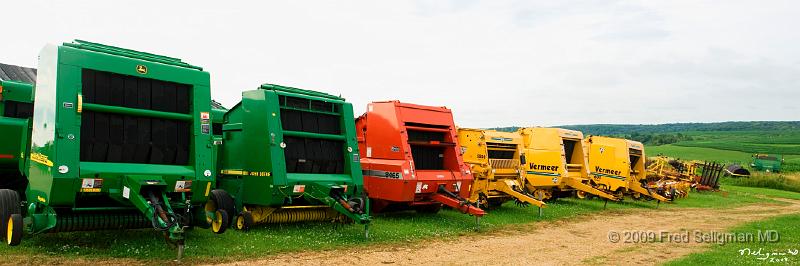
x,y
111,138
674,178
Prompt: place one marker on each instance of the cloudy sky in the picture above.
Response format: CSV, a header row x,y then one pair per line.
x,y
495,63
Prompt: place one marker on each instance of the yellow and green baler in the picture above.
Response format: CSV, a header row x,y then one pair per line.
x,y
495,159
556,164
617,166
120,139
289,155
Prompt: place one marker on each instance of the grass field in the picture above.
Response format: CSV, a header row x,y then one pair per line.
x,y
788,182
697,153
780,142
738,253
735,147
404,227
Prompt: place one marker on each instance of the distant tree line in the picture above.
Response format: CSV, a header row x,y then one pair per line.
x,y
623,130
671,133
656,139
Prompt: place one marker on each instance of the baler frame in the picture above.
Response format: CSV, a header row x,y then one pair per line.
x,y
496,180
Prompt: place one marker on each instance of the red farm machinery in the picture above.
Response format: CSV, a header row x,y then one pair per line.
x,y
411,159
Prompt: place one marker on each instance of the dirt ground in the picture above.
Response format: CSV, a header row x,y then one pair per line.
x,y
577,241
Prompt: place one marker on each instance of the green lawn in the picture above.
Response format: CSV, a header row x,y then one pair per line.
x,y
731,253
404,227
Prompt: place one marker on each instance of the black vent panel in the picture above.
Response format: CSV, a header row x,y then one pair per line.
x,y
313,156
117,138
135,92
18,109
294,120
428,157
426,136
130,139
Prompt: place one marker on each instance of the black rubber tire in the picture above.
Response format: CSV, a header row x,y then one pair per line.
x,y
246,223
9,204
429,209
225,222
16,233
224,201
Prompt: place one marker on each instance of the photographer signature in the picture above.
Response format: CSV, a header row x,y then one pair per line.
x,y
769,256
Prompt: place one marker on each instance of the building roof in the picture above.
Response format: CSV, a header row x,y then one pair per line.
x,y
17,73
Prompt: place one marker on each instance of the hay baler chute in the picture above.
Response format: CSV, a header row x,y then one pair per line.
x,y
289,155
118,141
494,158
411,158
556,164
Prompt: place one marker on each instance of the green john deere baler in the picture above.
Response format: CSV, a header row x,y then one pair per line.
x,y
289,155
120,139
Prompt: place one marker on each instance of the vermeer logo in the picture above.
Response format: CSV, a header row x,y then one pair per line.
x,y
141,69
606,171
544,167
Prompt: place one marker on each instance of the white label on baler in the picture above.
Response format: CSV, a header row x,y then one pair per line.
x,y
183,186
369,152
419,188
126,192
91,183
458,186
299,189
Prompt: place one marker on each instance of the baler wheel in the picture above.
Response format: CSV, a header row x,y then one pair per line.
x,y
619,194
9,204
219,200
581,194
221,222
14,229
244,221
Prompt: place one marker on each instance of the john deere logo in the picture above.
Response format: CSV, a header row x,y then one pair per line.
x,y
141,69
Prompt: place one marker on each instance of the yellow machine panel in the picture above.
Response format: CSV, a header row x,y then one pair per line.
x,y
494,159
556,163
618,166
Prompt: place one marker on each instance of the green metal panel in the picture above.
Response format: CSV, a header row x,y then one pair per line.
x,y
56,171
767,162
16,133
253,162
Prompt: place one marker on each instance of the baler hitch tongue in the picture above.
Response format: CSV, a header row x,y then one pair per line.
x,y
454,201
166,221
354,208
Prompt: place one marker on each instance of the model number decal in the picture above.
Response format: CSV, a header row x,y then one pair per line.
x,y
382,174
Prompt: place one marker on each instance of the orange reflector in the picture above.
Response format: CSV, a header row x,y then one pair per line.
x,y
6,156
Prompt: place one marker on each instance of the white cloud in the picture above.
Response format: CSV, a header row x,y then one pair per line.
x,y
494,62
